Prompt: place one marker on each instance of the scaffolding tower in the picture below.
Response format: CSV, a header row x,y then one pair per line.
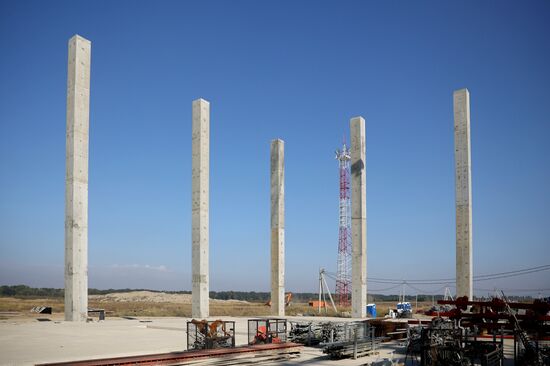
x,y
343,273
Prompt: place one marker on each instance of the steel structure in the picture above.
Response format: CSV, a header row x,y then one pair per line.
x,y
343,273
531,326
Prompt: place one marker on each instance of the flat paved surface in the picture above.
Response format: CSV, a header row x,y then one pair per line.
x,y
28,341
24,343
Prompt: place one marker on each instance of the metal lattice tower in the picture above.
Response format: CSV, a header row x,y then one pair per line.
x,y
343,274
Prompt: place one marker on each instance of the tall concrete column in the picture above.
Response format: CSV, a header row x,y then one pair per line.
x,y
358,218
76,180
463,187
200,203
278,227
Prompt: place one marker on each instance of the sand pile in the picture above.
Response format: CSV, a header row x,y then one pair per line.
x,y
149,296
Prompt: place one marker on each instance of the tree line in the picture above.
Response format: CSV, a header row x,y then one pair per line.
x,y
251,296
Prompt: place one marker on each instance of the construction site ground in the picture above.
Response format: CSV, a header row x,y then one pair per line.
x,y
28,340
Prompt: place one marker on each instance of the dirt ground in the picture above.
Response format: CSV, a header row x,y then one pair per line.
x,y
146,303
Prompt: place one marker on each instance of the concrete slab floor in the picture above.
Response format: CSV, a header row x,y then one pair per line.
x,y
28,341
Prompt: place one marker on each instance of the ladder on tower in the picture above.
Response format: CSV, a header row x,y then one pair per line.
x,y
528,345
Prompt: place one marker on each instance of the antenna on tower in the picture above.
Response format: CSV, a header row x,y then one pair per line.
x,y
343,273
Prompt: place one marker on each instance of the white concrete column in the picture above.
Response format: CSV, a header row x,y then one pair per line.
x,y
463,188
358,218
278,227
76,180
200,203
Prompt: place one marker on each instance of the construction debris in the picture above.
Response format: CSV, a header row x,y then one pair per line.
x,y
446,343
462,339
528,323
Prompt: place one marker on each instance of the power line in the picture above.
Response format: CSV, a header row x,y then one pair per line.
x,y
428,292
515,289
447,281
384,289
478,278
542,268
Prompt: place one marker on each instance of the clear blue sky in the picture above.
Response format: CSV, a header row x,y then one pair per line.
x,y
296,70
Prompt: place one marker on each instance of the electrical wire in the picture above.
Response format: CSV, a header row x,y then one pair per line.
x,y
447,281
384,289
478,278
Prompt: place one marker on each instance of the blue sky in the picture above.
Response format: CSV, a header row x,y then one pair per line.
x,y
296,70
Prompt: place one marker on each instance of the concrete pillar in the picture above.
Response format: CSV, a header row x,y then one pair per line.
x,y
76,180
463,188
278,227
200,203
358,218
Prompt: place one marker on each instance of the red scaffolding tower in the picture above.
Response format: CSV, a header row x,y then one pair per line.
x,y
343,274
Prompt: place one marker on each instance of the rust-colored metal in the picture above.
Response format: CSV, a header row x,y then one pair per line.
x,y
538,306
175,357
495,309
494,315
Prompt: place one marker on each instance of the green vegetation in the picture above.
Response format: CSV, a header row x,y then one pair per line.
x,y
26,291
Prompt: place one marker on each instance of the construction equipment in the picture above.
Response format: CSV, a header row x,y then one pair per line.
x,y
317,304
531,350
268,330
288,300
529,323
404,310
445,343
204,334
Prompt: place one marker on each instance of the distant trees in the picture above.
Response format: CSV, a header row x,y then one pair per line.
x,y
252,296
26,291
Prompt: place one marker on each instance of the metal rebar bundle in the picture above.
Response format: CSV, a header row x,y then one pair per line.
x,y
359,341
313,333
355,349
